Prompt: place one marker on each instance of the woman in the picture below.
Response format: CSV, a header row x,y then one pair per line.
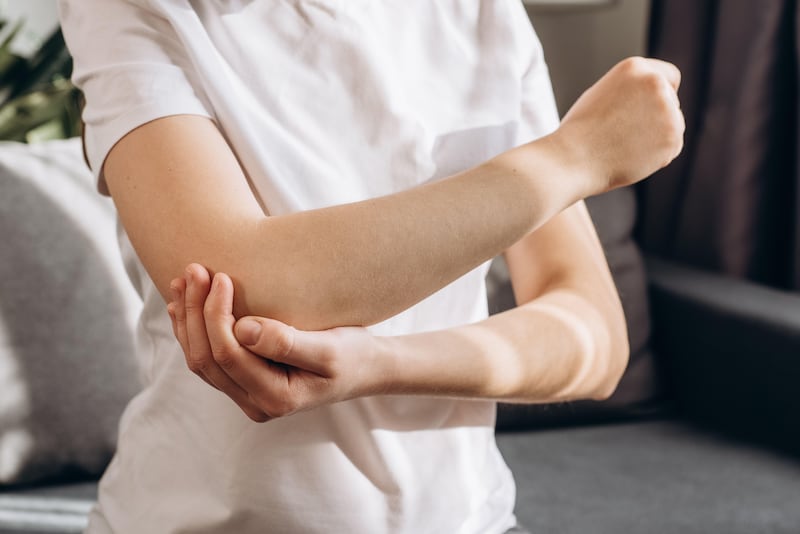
x,y
348,164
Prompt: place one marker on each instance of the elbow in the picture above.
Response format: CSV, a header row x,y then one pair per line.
x,y
617,363
304,303
613,357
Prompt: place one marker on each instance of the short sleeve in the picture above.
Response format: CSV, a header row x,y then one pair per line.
x,y
538,113
131,67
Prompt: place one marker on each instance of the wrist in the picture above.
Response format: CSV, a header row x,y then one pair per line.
x,y
548,175
383,371
576,160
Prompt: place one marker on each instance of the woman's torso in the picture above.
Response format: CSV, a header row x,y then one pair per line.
x,y
326,102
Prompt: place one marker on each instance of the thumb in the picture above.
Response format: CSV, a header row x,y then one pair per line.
x,y
266,337
282,343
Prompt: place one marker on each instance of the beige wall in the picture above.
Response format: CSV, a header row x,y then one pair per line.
x,y
581,43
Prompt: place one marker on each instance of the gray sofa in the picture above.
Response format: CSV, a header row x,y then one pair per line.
x,y
702,435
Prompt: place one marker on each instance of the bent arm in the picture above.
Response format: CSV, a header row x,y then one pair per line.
x,y
566,340
183,198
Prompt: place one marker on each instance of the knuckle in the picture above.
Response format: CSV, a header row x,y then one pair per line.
x,y
279,406
634,64
672,133
677,146
264,402
193,308
197,365
258,416
652,81
677,137
213,309
283,341
290,405
223,357
329,359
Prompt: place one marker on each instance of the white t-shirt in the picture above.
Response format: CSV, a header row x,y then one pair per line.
x,y
323,102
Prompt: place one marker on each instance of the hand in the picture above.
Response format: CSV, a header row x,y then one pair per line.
x,y
628,124
268,368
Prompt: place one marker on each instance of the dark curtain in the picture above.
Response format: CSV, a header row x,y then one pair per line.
x,y
730,202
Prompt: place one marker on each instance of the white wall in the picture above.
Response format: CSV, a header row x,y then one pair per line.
x,y
581,43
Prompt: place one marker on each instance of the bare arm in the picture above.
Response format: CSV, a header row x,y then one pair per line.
x,y
183,198
566,340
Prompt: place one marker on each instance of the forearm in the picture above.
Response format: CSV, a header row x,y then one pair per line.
x,y
183,197
558,347
353,264
361,263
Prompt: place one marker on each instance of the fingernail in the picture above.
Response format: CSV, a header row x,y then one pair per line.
x,y
247,331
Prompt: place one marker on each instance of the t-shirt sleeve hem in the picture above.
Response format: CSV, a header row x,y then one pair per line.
x,y
100,140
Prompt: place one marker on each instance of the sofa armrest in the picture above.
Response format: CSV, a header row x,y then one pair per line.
x,y
730,352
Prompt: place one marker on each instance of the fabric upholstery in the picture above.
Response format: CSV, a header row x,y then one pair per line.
x,y
730,351
660,477
67,312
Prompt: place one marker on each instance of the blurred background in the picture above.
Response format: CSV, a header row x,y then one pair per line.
x,y
37,102
32,56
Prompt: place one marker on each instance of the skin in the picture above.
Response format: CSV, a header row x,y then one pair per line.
x,y
566,340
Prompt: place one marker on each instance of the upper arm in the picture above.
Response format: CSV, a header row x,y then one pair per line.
x,y
182,197
565,249
177,185
565,252
130,66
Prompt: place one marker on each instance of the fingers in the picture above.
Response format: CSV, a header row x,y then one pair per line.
x,y
198,351
669,71
198,354
177,313
266,382
251,372
282,371
673,76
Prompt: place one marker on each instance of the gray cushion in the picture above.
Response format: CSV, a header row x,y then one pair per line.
x,y
67,311
655,477
639,392
730,351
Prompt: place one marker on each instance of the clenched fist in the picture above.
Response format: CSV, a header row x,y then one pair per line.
x,y
627,125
